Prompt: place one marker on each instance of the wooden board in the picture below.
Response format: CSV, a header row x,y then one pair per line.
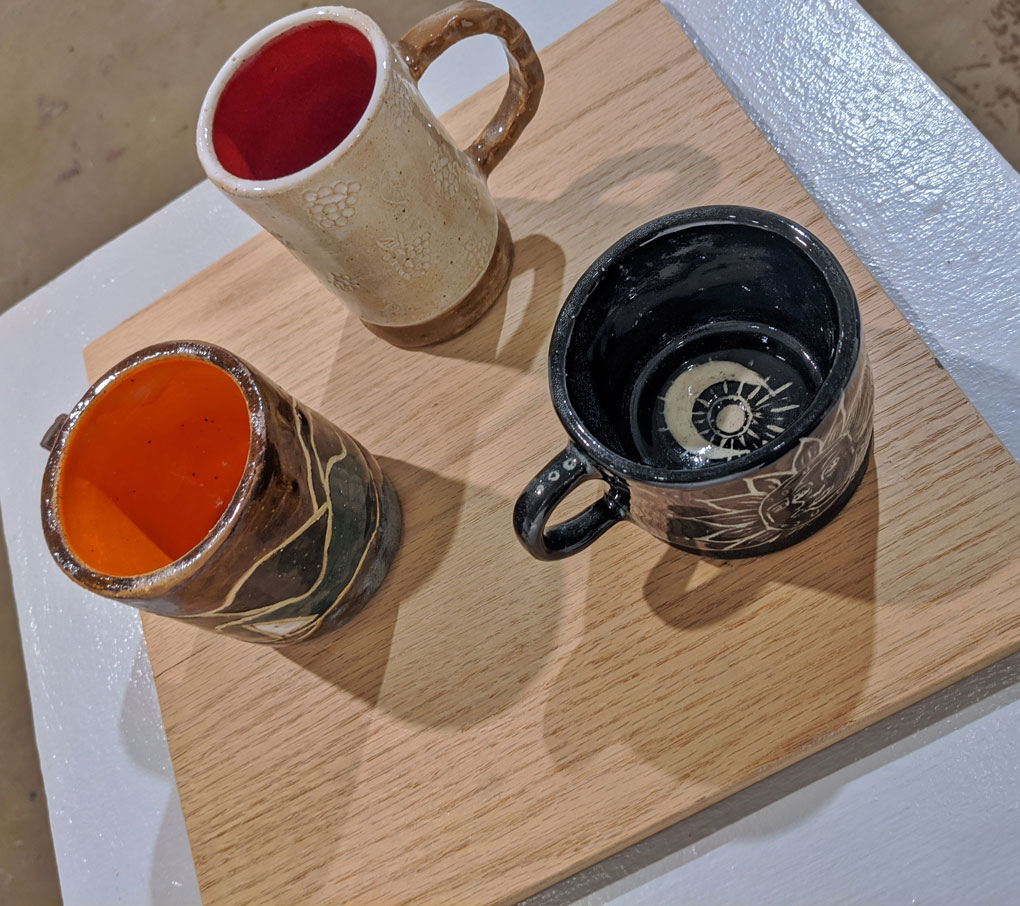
x,y
491,724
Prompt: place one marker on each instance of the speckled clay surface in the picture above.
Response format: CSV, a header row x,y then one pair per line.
x,y
396,220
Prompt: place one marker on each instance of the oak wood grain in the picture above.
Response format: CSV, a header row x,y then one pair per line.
x,y
490,724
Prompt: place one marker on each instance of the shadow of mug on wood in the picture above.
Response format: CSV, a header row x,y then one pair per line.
x,y
710,367
315,128
188,484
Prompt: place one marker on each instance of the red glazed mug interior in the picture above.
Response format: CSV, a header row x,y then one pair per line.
x,y
315,128
295,99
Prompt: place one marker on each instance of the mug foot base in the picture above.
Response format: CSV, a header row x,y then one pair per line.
x,y
801,533
459,317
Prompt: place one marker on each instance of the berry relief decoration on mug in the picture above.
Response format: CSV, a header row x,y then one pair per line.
x,y
343,282
333,206
409,257
359,162
476,252
403,106
444,175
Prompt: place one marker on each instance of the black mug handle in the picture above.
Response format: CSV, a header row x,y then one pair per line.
x,y
544,493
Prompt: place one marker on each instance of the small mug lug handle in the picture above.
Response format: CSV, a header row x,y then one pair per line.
x,y
49,439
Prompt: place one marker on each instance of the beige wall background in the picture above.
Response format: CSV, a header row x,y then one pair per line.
x,y
98,114
99,102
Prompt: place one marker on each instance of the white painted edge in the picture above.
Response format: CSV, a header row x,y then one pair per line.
x,y
927,203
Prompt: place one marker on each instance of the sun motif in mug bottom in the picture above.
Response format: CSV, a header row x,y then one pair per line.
x,y
780,502
719,410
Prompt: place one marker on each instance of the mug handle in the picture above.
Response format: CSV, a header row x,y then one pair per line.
x,y
544,493
434,34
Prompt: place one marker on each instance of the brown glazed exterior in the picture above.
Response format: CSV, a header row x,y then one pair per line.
x,y
396,220
429,38
303,544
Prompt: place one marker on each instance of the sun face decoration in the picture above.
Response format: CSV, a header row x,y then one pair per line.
x,y
720,410
762,509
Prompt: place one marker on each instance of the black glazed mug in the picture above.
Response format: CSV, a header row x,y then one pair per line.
x,y
709,367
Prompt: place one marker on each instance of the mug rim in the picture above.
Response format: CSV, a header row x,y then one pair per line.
x,y
158,582
846,357
260,188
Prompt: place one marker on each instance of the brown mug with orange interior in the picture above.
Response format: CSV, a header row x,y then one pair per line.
x,y
315,127
188,484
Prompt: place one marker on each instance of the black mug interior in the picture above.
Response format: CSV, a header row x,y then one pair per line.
x,y
700,345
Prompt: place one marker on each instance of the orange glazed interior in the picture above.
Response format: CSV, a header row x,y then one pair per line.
x,y
151,464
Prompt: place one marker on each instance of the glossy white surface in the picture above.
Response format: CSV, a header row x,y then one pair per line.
x,y
923,807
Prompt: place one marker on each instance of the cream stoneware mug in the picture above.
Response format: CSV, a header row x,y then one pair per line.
x,y
316,128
